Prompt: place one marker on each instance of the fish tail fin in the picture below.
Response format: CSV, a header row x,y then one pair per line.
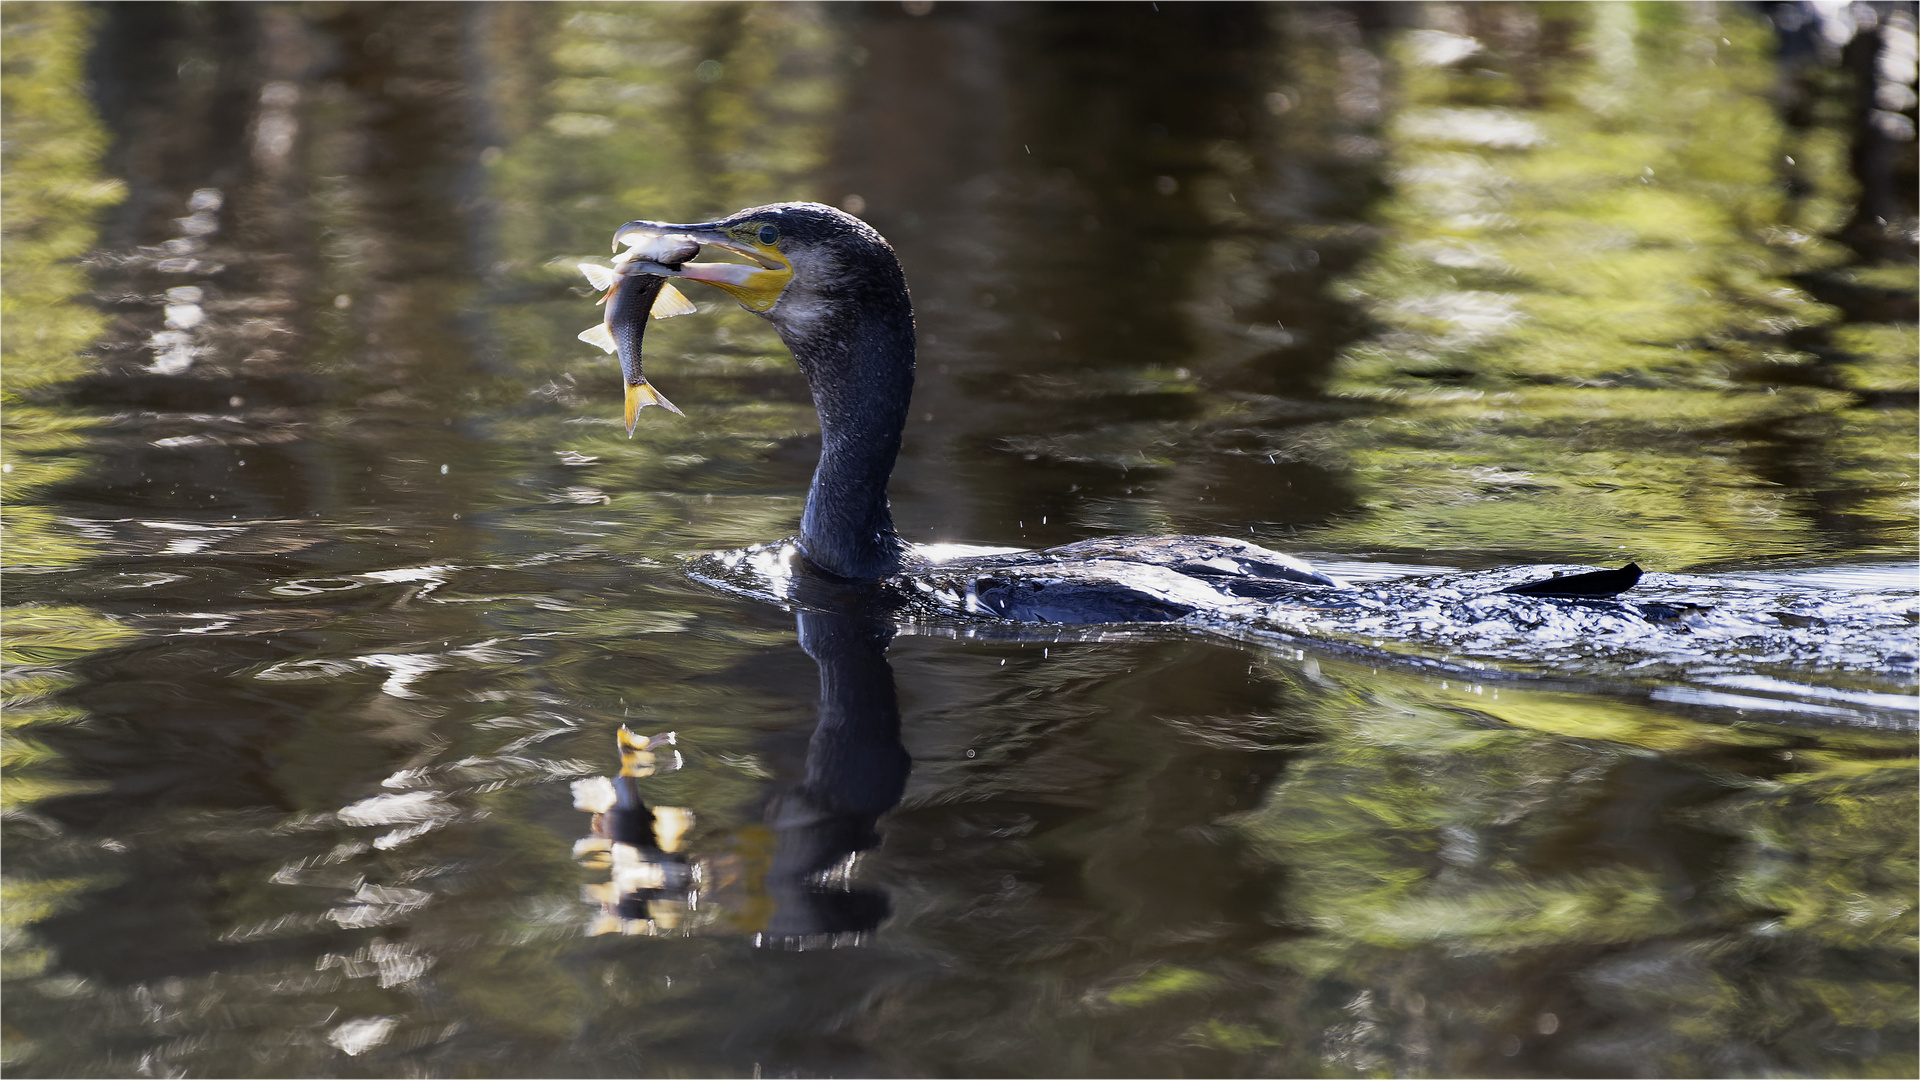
x,y
642,394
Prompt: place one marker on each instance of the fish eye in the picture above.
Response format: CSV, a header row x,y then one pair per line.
x,y
768,234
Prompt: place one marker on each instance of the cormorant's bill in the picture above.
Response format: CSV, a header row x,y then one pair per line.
x,y
757,284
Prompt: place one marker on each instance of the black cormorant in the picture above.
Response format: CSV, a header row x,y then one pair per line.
x,y
833,290
831,287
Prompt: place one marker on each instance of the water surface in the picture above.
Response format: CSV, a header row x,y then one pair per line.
x,y
330,569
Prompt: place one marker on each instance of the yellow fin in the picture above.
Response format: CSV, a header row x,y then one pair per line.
x,y
637,763
642,394
628,739
600,337
671,302
599,277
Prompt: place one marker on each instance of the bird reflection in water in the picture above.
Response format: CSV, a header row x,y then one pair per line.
x,y
856,770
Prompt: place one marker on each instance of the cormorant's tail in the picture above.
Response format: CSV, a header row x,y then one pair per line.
x,y
1595,585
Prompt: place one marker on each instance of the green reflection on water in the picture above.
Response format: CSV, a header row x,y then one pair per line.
x,y
1587,333
54,193
1433,861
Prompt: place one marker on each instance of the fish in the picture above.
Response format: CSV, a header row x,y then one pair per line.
x,y
632,295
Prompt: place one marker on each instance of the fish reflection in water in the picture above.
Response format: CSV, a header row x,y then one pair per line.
x,y
856,770
652,880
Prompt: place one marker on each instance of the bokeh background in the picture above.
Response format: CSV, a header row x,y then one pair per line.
x,y
312,500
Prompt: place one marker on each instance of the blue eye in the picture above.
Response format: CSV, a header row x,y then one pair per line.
x,y
768,234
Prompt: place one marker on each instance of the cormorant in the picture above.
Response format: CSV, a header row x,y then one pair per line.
x,y
831,287
833,290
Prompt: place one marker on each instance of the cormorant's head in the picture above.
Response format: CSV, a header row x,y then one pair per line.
x,y
802,261
833,290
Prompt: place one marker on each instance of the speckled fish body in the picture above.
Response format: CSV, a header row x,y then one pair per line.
x,y
629,305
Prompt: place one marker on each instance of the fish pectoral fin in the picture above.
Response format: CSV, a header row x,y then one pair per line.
x,y
600,277
671,302
599,336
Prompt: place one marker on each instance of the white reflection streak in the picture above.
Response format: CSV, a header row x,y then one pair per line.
x,y
411,573
416,812
404,670
393,963
1475,127
356,1037
408,808
1857,697
1438,48
207,535
379,905
430,577
1687,695
274,131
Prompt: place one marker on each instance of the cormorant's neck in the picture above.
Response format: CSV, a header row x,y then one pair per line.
x,y
857,353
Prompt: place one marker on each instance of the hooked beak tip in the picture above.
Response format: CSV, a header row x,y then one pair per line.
x,y
620,234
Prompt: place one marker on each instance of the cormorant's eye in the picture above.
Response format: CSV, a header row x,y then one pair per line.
x,y
768,234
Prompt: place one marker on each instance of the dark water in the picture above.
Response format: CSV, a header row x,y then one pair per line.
x,y
330,570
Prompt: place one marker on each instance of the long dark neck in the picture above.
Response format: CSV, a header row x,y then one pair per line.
x,y
858,358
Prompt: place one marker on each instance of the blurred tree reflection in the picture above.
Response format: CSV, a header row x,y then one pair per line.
x,y
55,196
56,193
1456,876
1587,327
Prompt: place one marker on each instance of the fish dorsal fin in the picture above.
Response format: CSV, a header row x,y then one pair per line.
x,y
671,302
600,277
599,336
